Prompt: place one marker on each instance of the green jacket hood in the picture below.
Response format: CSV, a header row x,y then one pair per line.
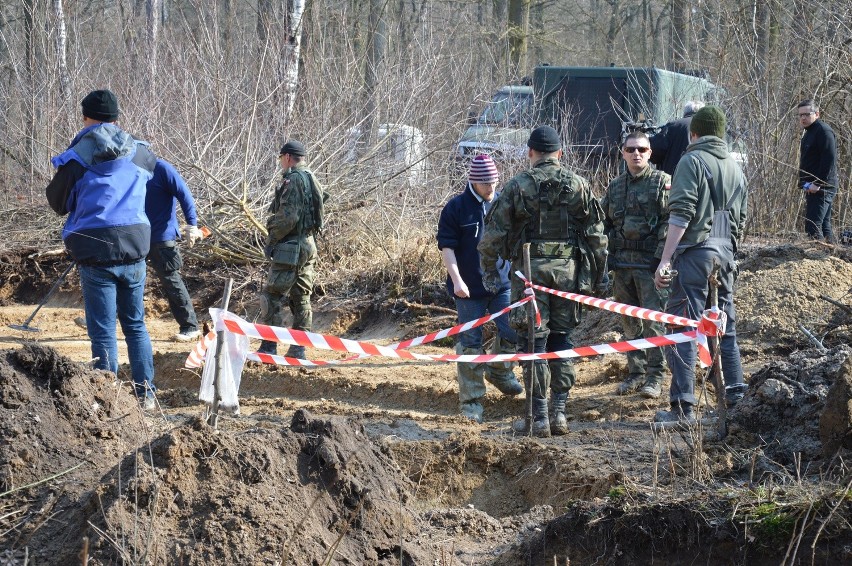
x,y
717,147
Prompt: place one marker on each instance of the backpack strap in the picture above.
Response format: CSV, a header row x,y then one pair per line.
x,y
713,195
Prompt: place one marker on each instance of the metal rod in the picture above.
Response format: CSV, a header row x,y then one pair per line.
x,y
530,341
716,350
213,417
26,324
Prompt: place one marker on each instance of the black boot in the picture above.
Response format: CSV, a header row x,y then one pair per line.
x,y
268,347
558,422
297,352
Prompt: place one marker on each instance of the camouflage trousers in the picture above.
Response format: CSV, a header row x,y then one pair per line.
x,y
294,283
636,287
558,318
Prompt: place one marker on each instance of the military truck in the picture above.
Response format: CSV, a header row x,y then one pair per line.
x,y
591,107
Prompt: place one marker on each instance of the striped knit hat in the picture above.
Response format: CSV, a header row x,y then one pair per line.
x,y
483,170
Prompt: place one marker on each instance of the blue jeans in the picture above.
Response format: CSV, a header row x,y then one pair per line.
x,y
689,295
471,309
111,293
818,214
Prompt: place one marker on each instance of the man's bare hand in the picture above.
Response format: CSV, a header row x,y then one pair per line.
x,y
663,276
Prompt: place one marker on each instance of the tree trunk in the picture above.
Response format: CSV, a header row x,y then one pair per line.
x,y
679,37
294,11
519,24
61,40
154,9
376,52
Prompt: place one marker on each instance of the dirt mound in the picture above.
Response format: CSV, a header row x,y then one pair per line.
x,y
779,287
712,528
58,414
779,418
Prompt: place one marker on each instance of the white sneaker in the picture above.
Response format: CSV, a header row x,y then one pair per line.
x,y
149,404
187,336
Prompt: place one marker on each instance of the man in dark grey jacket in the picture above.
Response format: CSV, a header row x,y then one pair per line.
x,y
668,145
707,213
817,170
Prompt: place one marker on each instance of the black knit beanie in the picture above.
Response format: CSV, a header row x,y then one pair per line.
x,y
101,105
544,139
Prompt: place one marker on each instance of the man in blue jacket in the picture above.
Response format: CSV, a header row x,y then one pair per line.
x,y
459,231
166,189
100,184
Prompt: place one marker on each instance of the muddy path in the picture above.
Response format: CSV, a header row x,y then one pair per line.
x,y
369,462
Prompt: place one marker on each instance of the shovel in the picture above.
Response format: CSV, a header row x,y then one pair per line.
x,y
26,325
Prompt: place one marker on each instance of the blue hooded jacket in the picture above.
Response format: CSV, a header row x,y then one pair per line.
x,y
100,184
160,205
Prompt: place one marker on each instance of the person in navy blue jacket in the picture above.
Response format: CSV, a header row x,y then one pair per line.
x,y
459,231
817,170
165,190
100,184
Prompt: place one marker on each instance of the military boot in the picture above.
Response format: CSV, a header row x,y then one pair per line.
x,y
295,351
541,421
681,412
558,421
268,347
630,384
471,410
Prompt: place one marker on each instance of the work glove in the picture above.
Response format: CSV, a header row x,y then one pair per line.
x,y
192,234
491,281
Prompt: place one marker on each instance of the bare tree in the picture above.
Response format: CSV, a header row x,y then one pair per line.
x,y
293,13
519,24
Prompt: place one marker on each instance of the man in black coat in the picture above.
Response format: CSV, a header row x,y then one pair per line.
x,y
668,145
817,170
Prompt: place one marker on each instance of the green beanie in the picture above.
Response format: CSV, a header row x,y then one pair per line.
x,y
709,121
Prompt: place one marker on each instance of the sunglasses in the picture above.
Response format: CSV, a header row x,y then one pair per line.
x,y
634,149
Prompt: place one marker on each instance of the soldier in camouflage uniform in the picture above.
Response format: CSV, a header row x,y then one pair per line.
x,y
295,215
554,210
636,224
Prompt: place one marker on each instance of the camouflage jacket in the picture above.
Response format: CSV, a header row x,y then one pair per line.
x,y
515,211
293,212
637,218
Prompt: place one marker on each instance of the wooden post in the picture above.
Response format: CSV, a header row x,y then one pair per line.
x,y
716,351
530,341
213,415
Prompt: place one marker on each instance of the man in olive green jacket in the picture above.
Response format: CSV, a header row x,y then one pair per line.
x,y
708,205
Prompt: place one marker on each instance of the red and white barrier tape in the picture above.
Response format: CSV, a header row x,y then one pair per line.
x,y
233,323
613,306
712,323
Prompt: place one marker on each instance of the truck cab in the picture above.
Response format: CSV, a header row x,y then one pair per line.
x,y
503,126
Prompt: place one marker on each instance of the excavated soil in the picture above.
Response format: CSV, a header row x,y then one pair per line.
x,y
369,462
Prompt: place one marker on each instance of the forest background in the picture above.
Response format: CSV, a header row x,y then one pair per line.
x,y
217,86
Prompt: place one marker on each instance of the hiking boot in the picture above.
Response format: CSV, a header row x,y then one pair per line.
x,y
680,412
294,351
558,420
80,321
508,386
632,383
734,394
187,335
471,410
651,390
268,347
